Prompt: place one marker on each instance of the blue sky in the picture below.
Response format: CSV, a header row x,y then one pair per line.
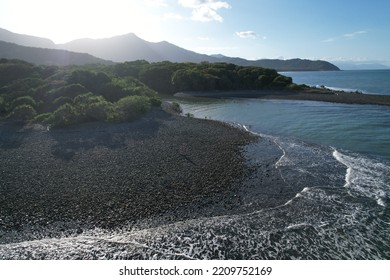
x,y
334,30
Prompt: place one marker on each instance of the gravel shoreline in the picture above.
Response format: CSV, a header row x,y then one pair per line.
x,y
162,167
334,97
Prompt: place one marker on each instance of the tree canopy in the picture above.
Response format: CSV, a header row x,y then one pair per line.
x,y
62,96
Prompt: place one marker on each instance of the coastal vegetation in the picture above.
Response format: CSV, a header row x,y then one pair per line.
x,y
62,96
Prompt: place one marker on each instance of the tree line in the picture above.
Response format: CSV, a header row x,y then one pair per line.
x,y
61,96
168,77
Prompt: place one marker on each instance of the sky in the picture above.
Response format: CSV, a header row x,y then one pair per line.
x,y
333,30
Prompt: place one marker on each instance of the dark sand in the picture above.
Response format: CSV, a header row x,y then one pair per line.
x,y
162,167
326,96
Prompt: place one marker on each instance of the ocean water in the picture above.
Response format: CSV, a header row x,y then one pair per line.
x,y
338,156
366,81
335,159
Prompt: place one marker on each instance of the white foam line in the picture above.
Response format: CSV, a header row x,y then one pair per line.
x,y
296,196
83,238
336,154
349,179
296,226
277,164
150,248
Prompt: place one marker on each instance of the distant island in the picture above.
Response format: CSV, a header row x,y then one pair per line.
x,y
130,47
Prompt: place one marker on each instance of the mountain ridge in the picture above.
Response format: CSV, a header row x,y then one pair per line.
x,y
130,47
117,49
25,40
45,56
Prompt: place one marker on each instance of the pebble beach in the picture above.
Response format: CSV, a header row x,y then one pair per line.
x,y
163,167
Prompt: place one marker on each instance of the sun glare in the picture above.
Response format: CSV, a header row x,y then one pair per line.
x,y
63,21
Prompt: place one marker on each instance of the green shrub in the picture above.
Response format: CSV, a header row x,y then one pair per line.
x,y
43,118
24,100
263,81
90,107
112,92
65,115
155,101
122,87
22,113
70,91
84,98
132,107
130,68
91,80
98,111
296,87
12,70
281,81
61,101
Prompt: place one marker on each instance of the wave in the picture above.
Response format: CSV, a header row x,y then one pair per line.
x,y
315,225
351,90
365,177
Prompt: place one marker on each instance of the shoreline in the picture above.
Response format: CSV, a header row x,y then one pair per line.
x,y
162,169
332,96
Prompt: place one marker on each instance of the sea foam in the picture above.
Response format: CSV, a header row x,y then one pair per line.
x,y
365,177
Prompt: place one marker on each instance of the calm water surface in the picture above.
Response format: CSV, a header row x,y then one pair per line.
x,y
366,81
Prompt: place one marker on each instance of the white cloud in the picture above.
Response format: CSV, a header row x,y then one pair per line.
x,y
205,10
345,36
247,34
354,34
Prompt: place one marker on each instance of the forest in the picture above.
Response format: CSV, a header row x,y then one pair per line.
x,y
62,96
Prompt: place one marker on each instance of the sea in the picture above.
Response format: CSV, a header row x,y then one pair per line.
x,y
336,158
365,81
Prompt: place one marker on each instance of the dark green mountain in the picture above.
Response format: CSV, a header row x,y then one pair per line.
x,y
46,56
282,65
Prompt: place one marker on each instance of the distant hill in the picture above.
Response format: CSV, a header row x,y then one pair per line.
x,y
282,65
25,40
46,56
361,66
129,47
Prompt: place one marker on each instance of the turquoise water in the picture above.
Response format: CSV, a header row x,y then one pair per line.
x,y
358,128
366,81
